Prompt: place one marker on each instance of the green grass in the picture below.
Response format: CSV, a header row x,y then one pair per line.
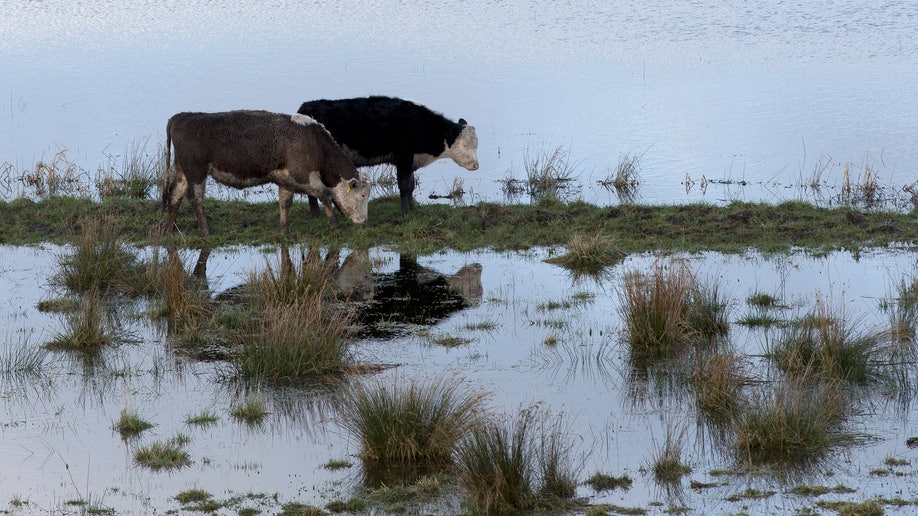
x,y
824,345
86,330
603,482
301,341
589,254
204,418
192,496
100,261
735,227
166,455
129,424
407,425
796,424
517,466
251,410
718,382
666,463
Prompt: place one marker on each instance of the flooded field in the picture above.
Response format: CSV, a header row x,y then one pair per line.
x,y
720,101
705,103
508,325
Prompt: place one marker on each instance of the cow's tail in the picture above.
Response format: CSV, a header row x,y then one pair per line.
x,y
167,166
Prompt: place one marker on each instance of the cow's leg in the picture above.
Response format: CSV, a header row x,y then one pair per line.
x,y
405,175
329,205
286,201
196,198
314,206
176,192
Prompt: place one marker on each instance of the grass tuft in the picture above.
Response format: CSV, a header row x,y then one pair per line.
x,y
795,424
718,381
589,254
824,345
86,330
251,410
667,310
667,463
417,424
129,424
163,455
516,467
100,262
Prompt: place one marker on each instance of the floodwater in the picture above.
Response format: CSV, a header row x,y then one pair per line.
x,y
58,444
720,100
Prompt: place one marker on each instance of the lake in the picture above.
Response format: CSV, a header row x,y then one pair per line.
x,y
751,101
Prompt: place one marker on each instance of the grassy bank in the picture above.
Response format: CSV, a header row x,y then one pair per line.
x,y
731,228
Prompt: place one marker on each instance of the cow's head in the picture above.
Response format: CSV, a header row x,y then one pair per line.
x,y
464,149
352,196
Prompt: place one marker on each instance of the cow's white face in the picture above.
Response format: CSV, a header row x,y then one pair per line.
x,y
464,151
352,197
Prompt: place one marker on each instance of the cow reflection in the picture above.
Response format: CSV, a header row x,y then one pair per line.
x,y
417,295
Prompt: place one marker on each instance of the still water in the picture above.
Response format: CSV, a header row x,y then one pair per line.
x,y
57,443
758,95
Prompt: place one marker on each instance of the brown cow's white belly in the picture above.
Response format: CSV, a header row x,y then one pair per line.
x,y
280,177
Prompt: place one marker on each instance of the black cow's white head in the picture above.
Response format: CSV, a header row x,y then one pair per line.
x,y
464,150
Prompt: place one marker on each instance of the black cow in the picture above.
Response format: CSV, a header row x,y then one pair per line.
x,y
375,130
250,148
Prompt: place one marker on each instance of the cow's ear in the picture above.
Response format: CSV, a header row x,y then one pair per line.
x,y
463,122
354,183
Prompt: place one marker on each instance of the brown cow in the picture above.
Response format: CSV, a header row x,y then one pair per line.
x,y
249,148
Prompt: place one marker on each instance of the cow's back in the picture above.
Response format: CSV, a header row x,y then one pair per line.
x,y
242,143
379,126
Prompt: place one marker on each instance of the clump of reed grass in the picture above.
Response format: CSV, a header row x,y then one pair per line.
x,y
794,424
204,418
187,307
589,254
666,464
624,180
251,410
57,176
824,345
287,284
22,360
100,261
130,424
417,424
718,383
169,455
302,340
86,329
548,174
604,482
137,177
666,310
510,468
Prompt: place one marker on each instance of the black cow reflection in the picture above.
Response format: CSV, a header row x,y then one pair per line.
x,y
416,295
